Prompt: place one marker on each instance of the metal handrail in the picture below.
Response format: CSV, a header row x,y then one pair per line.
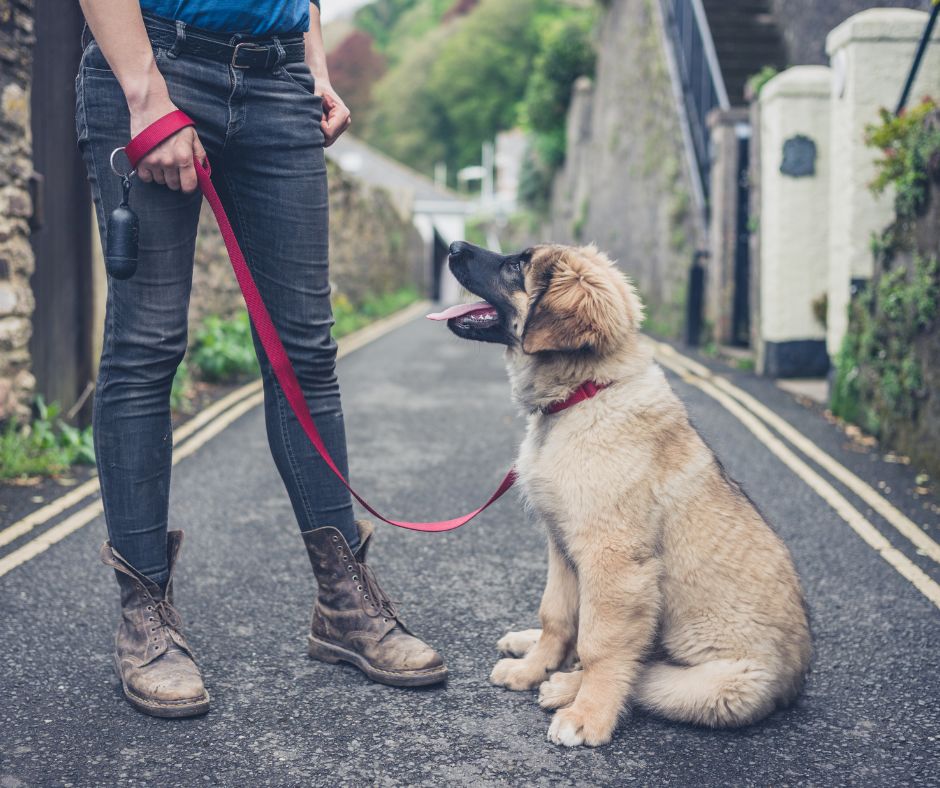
x,y
703,86
918,56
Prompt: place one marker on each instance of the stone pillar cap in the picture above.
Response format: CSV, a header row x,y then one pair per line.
x,y
879,24
798,81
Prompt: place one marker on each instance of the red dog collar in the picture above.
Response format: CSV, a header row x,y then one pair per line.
x,y
585,391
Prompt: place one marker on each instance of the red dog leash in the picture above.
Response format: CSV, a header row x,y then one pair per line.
x,y
166,127
139,147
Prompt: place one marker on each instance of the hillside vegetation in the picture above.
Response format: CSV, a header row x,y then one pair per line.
x,y
429,81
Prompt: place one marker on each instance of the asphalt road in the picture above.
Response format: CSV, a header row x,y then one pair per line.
x,y
432,431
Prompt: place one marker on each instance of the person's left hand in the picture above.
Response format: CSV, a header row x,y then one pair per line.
x,y
336,117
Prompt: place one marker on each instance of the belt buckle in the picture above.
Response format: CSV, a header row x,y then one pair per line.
x,y
250,47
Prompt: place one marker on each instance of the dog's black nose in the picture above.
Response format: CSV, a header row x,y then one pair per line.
x,y
457,248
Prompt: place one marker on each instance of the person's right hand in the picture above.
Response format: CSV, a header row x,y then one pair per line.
x,y
171,162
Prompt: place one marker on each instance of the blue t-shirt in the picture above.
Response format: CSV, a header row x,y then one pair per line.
x,y
257,18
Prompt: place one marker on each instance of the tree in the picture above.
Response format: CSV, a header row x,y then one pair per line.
x,y
354,67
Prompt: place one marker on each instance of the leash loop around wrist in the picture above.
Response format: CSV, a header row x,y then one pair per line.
x,y
280,363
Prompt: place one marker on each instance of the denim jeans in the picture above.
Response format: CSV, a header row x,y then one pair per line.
x,y
261,131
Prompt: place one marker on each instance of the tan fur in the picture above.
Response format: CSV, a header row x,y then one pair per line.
x,y
652,550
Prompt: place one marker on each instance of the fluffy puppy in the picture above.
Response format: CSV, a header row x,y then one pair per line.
x,y
666,588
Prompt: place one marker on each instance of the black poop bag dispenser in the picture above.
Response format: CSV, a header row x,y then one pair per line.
x,y
123,232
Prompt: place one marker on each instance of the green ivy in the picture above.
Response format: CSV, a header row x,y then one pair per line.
x,y
878,378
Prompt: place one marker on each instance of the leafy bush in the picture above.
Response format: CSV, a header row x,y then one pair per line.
x,y
878,378
909,143
223,351
45,446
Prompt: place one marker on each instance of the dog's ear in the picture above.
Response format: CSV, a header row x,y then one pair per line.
x,y
586,305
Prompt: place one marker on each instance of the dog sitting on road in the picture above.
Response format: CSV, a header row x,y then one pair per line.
x,y
666,588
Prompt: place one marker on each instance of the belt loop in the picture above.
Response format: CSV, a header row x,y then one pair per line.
x,y
174,51
281,52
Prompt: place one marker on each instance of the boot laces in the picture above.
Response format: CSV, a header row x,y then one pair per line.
x,y
168,615
384,605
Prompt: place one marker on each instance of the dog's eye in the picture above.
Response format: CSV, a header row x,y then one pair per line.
x,y
516,264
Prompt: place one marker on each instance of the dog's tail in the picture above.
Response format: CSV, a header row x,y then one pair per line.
x,y
722,693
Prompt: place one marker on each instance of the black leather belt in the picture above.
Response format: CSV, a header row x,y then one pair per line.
x,y
264,54
238,51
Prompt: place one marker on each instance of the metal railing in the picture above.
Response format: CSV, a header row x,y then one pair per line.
x,y
703,88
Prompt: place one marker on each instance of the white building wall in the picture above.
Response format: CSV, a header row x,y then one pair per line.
x,y
794,210
794,222
870,55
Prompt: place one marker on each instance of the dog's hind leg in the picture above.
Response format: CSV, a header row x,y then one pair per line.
x,y
518,644
721,693
560,690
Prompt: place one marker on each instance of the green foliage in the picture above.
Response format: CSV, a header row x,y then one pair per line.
x,y
182,390
457,80
565,53
879,380
223,351
756,82
908,143
878,377
351,318
392,23
45,446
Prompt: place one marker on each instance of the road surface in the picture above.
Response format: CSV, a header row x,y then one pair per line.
x,y
431,432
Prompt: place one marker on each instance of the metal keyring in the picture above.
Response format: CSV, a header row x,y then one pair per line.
x,y
114,169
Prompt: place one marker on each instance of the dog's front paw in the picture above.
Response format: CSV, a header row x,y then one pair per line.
x,y
572,727
560,690
516,674
518,644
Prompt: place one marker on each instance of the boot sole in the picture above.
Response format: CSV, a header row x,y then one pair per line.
x,y
154,708
331,653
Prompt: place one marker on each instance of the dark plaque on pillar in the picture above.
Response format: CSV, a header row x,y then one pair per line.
x,y
799,157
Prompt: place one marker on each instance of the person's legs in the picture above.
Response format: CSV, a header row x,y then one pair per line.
x,y
272,180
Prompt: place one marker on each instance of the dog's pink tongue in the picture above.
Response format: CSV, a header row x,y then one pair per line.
x,y
459,310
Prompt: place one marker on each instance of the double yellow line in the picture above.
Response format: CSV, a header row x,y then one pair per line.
x,y
188,439
758,418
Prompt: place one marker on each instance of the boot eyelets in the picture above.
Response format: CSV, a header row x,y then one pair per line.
x,y
359,588
335,538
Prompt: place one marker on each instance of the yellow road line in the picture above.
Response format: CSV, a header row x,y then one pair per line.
x,y
90,487
85,515
214,419
898,520
855,519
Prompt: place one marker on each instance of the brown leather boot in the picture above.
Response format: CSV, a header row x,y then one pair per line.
x,y
152,658
355,621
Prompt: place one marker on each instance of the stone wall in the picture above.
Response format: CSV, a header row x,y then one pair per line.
x,y
16,256
805,23
373,248
625,184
